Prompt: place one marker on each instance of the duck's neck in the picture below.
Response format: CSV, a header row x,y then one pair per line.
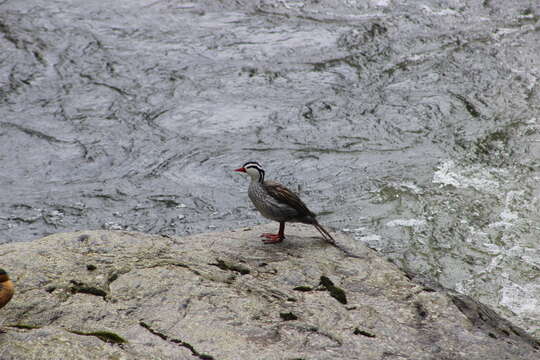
x,y
258,177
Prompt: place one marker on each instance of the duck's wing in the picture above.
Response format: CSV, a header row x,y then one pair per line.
x,y
287,197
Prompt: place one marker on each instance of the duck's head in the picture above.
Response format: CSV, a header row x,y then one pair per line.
x,y
253,169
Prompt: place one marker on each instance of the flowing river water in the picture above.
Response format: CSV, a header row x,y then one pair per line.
x,y
412,125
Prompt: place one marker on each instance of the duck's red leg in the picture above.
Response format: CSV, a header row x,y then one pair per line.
x,y
275,238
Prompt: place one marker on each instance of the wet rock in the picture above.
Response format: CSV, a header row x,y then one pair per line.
x,y
208,297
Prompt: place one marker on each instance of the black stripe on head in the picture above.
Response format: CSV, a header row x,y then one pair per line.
x,y
256,165
252,164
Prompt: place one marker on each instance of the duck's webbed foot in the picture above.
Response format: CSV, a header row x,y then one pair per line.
x,y
272,238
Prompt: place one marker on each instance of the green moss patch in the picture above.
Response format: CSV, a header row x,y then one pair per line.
x,y
106,336
303,288
358,331
288,316
78,287
24,326
336,292
91,267
231,267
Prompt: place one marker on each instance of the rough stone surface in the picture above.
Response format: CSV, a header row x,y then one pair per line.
x,y
228,296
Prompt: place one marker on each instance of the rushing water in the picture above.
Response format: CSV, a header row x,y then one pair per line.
x,y
413,125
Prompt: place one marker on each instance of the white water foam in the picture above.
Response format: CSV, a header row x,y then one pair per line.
x,y
522,299
476,177
406,222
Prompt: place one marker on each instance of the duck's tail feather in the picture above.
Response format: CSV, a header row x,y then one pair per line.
x,y
329,239
325,234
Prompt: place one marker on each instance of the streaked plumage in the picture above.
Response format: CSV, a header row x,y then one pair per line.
x,y
274,201
6,288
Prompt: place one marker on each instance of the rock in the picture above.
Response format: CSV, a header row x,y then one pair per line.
x,y
122,295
